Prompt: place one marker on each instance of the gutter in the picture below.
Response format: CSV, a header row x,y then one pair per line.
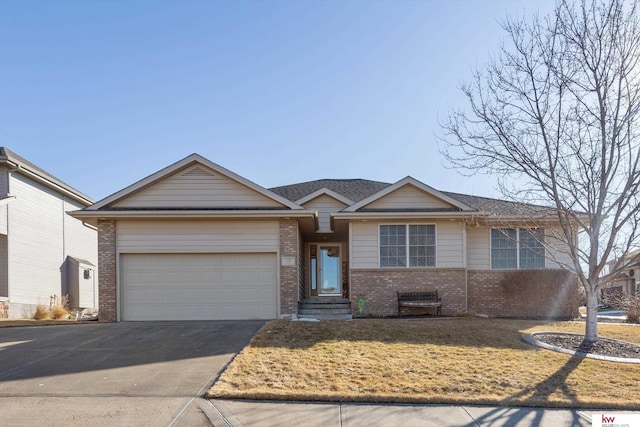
x,y
400,215
91,216
49,183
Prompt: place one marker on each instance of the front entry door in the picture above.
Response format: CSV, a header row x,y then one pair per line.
x,y
326,270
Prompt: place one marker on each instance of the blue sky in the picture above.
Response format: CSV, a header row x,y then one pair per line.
x,y
104,93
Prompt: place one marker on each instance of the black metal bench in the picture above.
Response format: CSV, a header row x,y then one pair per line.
x,y
424,299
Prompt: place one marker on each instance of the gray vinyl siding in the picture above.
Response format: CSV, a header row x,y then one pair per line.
x,y
40,237
478,248
4,190
4,268
449,244
36,242
407,197
197,236
364,245
4,216
325,205
4,181
557,250
80,240
197,187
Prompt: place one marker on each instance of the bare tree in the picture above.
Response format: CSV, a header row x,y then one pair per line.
x,y
557,109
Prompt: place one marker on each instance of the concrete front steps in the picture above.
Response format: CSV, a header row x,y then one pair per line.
x,y
325,309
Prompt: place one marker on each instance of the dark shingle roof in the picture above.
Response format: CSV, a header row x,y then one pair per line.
x,y
8,155
352,189
500,207
359,189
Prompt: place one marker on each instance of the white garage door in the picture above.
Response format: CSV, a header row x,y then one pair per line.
x,y
198,286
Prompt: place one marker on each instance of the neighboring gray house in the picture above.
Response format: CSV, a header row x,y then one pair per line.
x,y
195,241
44,252
627,281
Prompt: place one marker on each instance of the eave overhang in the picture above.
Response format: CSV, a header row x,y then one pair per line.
x,y
401,215
92,217
548,218
50,183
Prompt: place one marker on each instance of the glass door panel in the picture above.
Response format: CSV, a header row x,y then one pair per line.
x,y
330,282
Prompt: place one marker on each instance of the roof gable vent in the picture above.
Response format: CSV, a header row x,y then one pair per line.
x,y
197,171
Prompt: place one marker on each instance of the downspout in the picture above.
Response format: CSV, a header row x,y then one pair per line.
x,y
64,232
466,267
89,226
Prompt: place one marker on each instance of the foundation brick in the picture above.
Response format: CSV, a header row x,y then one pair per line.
x,y
488,295
379,289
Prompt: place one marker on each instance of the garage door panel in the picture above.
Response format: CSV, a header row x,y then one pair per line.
x,y
198,286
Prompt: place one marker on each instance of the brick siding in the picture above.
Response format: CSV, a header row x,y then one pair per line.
x,y
289,275
379,288
107,268
485,292
488,294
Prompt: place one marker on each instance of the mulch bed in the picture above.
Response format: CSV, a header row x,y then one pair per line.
x,y
602,347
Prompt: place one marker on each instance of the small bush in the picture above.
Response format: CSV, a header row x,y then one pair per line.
x,y
58,312
42,313
629,303
466,314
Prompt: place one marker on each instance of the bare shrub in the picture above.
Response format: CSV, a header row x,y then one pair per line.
x,y
629,303
58,312
42,313
542,293
60,307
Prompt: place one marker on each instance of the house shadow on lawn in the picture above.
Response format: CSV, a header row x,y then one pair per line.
x,y
454,331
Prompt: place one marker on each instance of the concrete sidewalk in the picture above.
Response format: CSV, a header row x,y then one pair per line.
x,y
264,414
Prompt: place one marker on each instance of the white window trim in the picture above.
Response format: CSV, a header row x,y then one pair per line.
x,y
406,225
517,267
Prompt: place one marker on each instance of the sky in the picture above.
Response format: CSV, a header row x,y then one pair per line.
x,y
102,93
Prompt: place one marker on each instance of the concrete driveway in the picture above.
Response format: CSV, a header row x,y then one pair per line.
x,y
123,374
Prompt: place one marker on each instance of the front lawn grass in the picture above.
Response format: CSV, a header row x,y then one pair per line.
x,y
457,361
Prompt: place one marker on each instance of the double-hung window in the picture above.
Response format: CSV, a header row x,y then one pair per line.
x,y
513,248
408,245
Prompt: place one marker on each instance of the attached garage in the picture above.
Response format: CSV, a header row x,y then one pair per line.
x,y
198,286
195,241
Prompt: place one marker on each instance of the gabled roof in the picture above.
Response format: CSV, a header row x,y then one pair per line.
x,y
15,161
502,207
359,189
352,189
327,192
182,164
415,183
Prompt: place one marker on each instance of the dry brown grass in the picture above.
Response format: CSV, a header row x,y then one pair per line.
x,y
459,361
42,313
59,312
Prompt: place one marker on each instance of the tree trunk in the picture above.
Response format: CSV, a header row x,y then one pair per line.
x,y
591,333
